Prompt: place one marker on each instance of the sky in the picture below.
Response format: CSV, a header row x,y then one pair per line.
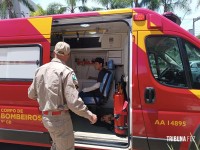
x,y
187,18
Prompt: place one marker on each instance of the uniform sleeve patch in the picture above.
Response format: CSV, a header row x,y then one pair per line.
x,y
74,77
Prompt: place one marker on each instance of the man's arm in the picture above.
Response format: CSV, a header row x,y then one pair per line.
x,y
74,102
93,78
32,94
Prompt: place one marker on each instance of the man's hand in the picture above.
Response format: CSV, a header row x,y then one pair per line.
x,y
93,119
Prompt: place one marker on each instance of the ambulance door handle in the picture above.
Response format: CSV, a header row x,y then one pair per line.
x,y
149,95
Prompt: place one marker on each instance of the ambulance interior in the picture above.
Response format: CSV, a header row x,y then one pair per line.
x,y
108,38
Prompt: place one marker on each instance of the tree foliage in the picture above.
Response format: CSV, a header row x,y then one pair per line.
x,y
55,8
71,5
114,4
52,8
85,8
39,12
168,5
198,3
3,9
121,4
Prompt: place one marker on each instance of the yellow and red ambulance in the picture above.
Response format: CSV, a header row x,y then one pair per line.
x,y
155,90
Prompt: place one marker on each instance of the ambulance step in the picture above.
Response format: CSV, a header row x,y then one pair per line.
x,y
100,139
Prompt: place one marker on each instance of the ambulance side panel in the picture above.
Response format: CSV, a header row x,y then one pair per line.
x,y
24,46
170,106
139,138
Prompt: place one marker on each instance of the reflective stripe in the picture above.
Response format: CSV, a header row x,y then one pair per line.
x,y
54,112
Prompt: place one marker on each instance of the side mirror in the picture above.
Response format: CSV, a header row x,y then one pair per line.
x,y
172,17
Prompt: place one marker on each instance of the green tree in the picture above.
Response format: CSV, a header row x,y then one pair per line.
x,y
151,4
198,36
52,8
198,3
7,6
39,12
55,8
83,2
136,3
114,4
168,5
71,5
121,4
85,9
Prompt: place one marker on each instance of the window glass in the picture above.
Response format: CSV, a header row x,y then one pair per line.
x,y
19,62
153,64
193,54
165,60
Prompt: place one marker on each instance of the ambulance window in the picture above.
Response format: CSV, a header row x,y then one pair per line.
x,y
193,54
165,60
19,62
153,65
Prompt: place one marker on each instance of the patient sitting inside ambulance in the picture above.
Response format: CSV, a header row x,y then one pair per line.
x,y
94,89
104,120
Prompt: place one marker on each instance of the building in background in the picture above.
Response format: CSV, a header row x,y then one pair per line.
x,y
20,10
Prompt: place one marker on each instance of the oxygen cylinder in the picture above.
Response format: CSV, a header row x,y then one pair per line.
x,y
120,113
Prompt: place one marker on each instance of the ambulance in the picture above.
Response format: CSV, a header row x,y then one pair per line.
x,y
152,88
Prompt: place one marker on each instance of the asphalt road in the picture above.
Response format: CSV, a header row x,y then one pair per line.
x,y
4,146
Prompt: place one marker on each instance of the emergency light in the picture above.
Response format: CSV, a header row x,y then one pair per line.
x,y
139,17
